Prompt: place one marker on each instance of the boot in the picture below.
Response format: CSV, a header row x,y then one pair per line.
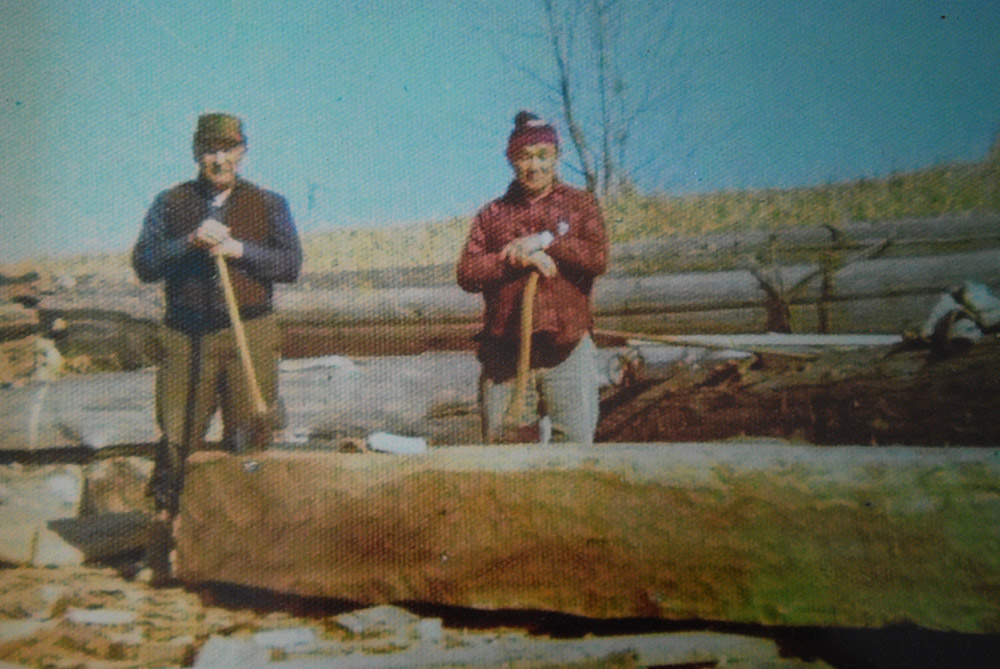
x,y
158,548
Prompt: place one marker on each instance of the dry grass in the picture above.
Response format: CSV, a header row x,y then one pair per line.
x,y
931,192
934,191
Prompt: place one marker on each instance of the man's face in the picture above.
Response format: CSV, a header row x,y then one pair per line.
x,y
218,164
535,166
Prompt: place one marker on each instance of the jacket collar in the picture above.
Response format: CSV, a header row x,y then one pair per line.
x,y
205,190
516,193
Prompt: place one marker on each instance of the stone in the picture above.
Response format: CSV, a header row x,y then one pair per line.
x,y
17,356
385,442
747,532
30,497
226,652
21,629
377,620
100,616
429,629
158,653
692,648
130,638
52,550
11,665
290,638
117,485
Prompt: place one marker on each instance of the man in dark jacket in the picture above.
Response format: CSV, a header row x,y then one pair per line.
x,y
187,226
546,227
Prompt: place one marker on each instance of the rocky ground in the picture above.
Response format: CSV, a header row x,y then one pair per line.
x,y
95,617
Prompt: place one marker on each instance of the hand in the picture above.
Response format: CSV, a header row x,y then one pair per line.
x,y
518,251
515,253
543,263
210,233
228,247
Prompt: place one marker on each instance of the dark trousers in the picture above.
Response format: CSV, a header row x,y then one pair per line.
x,y
202,373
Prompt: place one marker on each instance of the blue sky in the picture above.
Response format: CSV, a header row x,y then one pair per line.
x,y
391,111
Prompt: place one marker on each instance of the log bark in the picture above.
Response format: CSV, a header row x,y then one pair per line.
x,y
755,532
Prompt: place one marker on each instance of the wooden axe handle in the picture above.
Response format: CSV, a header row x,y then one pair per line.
x,y
241,338
516,407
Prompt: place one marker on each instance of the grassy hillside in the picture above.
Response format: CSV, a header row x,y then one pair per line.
x,y
930,192
944,189
411,245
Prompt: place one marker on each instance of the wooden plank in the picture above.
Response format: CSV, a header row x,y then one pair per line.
x,y
754,532
771,340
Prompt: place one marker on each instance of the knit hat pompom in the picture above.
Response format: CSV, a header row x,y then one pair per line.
x,y
530,129
523,118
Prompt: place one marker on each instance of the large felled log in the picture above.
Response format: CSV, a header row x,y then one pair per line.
x,y
660,293
774,534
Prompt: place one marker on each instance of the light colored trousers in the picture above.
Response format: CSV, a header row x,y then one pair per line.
x,y
566,395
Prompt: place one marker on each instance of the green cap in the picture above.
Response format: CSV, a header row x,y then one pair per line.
x,y
219,128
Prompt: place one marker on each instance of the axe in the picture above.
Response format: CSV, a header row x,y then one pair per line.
x,y
259,405
516,406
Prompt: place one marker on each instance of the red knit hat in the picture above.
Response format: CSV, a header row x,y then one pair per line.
x,y
529,129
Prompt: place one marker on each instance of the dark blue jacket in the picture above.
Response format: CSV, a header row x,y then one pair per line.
x,y
259,218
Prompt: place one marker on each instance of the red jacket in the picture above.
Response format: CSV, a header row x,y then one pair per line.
x,y
580,251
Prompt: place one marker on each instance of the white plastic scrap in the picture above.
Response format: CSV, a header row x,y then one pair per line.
x,y
393,443
983,305
977,309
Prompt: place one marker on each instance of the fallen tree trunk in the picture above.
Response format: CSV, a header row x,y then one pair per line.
x,y
886,295
773,534
660,293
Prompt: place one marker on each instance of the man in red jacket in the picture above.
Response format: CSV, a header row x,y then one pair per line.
x,y
543,226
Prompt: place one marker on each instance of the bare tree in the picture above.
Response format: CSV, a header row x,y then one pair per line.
x,y
601,38
587,45
561,33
